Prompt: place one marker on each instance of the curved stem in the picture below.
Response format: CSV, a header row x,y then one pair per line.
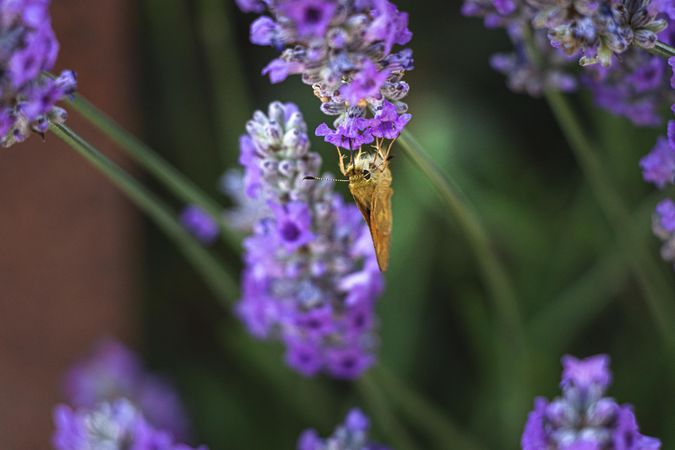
x,y
214,273
493,272
168,175
645,268
511,346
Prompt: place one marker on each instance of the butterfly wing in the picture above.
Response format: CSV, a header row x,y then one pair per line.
x,y
380,223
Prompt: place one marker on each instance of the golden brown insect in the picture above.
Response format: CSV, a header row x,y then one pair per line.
x,y
370,184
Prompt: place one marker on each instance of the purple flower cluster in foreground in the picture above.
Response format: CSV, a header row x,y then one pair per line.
x,y
200,224
311,278
117,404
29,48
114,425
352,435
583,418
344,49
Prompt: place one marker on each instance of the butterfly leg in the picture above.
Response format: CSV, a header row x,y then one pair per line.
x,y
341,162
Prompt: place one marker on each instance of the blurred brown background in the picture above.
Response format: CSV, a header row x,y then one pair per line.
x,y
67,259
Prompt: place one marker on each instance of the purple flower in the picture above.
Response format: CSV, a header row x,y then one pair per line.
x,y
351,133
113,372
388,123
29,49
256,6
365,84
658,166
309,281
665,212
583,419
663,225
109,426
310,17
200,224
344,51
352,435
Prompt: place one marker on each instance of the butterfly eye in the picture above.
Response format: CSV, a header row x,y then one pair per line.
x,y
366,175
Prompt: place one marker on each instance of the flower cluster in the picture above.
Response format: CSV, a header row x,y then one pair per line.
x,y
114,425
598,29
583,418
352,435
200,224
344,49
29,47
311,278
550,70
113,372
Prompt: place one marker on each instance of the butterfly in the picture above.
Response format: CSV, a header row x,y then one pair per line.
x,y
370,185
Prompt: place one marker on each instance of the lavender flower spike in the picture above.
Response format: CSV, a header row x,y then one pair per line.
x,y
29,48
352,435
109,426
311,278
583,418
113,372
343,49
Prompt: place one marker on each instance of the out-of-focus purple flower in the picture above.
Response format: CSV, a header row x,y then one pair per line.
x,y
663,225
256,6
109,426
583,418
308,280
343,49
552,68
29,48
113,372
658,166
310,17
246,211
352,435
200,224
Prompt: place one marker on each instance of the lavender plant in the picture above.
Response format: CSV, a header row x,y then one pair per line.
x,y
117,404
583,418
352,435
109,426
344,50
29,48
112,372
311,278
200,224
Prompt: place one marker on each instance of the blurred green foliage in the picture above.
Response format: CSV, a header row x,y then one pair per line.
x,y
201,81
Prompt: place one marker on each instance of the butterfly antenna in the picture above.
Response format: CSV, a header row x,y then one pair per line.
x,y
324,179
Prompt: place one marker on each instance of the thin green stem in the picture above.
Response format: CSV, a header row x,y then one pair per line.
x,y
169,176
511,347
386,420
421,414
230,102
214,273
493,272
658,292
663,49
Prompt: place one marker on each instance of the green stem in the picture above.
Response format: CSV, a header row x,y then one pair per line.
x,y
493,272
421,414
230,102
646,269
169,176
378,405
511,346
214,273
663,49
